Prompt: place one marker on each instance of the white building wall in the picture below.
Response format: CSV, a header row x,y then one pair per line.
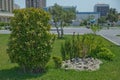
x,y
80,17
5,17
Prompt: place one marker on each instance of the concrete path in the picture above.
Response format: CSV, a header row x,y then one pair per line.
x,y
69,31
5,32
109,34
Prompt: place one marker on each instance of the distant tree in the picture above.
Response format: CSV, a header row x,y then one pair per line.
x,y
67,17
102,20
56,12
119,16
85,21
89,20
4,24
112,15
95,28
62,16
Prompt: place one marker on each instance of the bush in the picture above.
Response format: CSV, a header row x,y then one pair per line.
x,y
58,62
105,54
4,24
30,42
95,28
88,45
63,54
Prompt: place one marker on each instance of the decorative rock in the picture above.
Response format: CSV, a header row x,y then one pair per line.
x,y
82,64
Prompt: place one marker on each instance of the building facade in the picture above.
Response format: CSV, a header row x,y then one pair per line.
x,y
81,16
6,5
102,8
5,16
6,9
36,3
87,15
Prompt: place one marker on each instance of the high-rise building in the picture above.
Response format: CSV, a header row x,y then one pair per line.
x,y
6,5
102,9
36,3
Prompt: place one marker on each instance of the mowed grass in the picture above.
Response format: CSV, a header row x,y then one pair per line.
x,y
108,70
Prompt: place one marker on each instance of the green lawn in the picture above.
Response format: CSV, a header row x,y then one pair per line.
x,y
107,71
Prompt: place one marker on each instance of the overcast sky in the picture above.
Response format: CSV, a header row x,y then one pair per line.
x,y
82,5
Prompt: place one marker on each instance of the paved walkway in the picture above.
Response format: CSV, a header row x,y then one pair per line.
x,y
4,32
108,34
70,31
111,35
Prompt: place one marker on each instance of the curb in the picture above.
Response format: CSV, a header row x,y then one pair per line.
x,y
110,40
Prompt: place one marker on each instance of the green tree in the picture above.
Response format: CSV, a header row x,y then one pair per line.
x,y
3,24
56,12
112,15
66,18
102,20
62,16
30,42
119,16
95,28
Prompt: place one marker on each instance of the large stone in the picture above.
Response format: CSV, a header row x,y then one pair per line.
x,y
82,64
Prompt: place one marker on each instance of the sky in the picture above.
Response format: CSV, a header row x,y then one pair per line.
x,y
82,5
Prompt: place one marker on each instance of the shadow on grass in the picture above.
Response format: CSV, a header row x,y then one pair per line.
x,y
16,74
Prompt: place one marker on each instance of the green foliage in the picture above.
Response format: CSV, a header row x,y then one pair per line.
x,y
58,62
66,50
106,54
77,47
9,71
4,24
68,15
95,28
112,15
102,20
30,42
62,16
63,52
88,45
56,12
84,22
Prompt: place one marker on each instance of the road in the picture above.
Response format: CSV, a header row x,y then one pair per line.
x,y
76,30
109,34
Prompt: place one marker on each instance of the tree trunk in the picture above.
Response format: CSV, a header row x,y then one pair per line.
x,y
57,30
62,32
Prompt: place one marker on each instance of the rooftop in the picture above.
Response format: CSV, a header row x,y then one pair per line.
x,y
88,12
101,4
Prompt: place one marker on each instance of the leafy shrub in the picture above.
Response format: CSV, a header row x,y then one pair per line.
x,y
95,28
63,52
30,42
4,24
77,47
105,54
58,62
88,45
